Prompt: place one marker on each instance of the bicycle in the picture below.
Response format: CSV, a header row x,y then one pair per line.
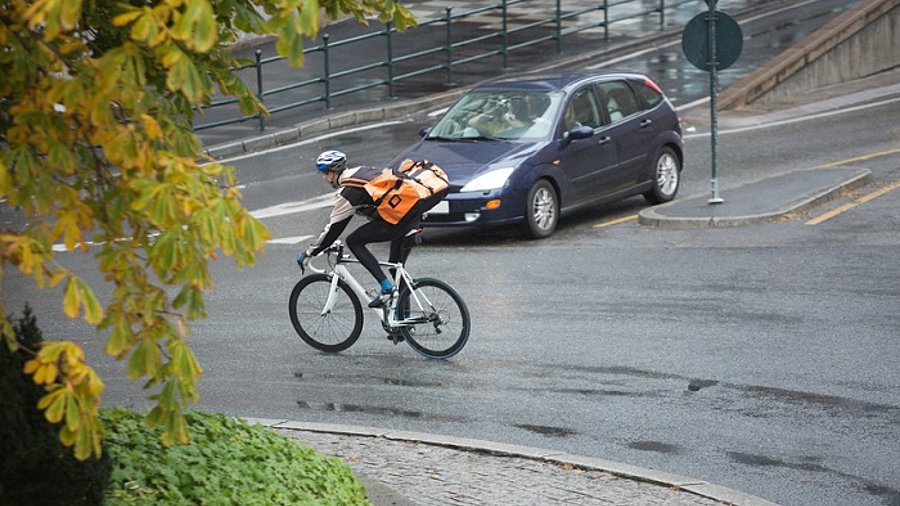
x,y
427,313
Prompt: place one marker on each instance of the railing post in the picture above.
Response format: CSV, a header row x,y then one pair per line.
x,y
449,49
327,76
505,34
390,58
662,14
259,87
558,27
605,20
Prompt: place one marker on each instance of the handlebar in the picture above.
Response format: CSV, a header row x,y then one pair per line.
x,y
332,253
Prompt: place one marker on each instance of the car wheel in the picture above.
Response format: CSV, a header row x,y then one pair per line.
x,y
666,173
542,211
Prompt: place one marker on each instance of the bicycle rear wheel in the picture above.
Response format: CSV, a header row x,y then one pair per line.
x,y
333,331
442,318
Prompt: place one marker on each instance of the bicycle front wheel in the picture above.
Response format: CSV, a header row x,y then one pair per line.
x,y
436,318
330,330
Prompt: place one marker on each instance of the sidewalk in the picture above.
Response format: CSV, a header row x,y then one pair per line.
x,y
408,468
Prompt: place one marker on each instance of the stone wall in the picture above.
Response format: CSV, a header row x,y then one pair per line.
x,y
861,42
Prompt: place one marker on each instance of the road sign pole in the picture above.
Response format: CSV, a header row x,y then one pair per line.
x,y
713,106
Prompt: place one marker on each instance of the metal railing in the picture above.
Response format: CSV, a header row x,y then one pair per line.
x,y
481,45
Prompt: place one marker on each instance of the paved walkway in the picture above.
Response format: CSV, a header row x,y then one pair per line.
x,y
408,468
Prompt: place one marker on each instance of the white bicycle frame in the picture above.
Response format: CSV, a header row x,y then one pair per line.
x,y
385,313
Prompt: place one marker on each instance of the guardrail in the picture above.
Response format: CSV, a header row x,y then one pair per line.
x,y
450,49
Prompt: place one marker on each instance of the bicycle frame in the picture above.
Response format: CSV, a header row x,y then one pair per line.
x,y
338,271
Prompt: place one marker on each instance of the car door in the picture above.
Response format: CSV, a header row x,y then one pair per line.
x,y
630,131
586,162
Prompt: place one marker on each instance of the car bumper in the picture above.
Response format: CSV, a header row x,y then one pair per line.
x,y
475,209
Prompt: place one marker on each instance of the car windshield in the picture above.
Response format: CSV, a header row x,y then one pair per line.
x,y
508,115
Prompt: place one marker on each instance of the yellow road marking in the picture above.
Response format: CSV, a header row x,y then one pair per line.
x,y
851,205
859,158
616,221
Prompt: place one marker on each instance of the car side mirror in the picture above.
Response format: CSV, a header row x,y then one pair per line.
x,y
424,131
580,132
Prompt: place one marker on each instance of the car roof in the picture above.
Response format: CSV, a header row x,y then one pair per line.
x,y
554,81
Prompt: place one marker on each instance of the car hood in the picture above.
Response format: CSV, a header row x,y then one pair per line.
x,y
464,160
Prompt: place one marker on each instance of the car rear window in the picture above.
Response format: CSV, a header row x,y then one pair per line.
x,y
651,92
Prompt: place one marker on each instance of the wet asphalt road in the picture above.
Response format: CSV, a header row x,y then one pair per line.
x,y
760,358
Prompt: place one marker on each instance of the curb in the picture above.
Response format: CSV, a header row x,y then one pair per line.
x,y
692,485
406,107
652,217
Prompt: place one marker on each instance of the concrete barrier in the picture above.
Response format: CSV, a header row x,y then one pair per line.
x,y
861,42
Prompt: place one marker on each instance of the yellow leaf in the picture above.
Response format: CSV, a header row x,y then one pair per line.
x,y
128,17
71,299
56,405
70,12
58,275
151,127
83,444
95,385
31,366
67,436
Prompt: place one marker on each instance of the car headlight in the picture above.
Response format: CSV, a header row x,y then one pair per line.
x,y
489,181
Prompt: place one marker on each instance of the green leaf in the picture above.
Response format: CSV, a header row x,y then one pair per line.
x,y
309,18
183,76
93,313
290,45
145,29
197,26
72,415
119,340
145,360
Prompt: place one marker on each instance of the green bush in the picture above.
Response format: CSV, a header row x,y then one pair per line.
x,y
35,468
228,462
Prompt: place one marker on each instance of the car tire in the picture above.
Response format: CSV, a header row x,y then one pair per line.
x,y
665,174
542,210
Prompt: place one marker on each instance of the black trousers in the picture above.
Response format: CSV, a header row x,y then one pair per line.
x,y
378,230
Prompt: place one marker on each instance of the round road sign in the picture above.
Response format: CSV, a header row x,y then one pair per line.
x,y
695,41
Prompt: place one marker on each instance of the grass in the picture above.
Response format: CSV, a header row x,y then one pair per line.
x,y
228,462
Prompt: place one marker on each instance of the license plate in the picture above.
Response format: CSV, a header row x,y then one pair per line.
x,y
443,207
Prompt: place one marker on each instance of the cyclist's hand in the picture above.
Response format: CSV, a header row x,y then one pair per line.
x,y
302,261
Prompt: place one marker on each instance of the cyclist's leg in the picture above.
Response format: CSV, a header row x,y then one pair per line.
x,y
373,231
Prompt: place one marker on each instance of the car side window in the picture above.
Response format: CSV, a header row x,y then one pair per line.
x,y
652,95
583,110
620,100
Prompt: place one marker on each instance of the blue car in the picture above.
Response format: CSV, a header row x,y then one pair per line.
x,y
523,150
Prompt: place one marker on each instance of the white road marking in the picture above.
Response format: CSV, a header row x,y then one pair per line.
x,y
293,207
798,120
291,240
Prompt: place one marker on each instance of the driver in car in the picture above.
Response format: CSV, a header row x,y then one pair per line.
x,y
499,118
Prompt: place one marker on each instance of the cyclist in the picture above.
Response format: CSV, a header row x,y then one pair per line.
x,y
352,199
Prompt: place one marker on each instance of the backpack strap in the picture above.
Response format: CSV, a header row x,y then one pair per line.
x,y
354,182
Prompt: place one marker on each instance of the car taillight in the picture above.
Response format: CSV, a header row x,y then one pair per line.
x,y
653,86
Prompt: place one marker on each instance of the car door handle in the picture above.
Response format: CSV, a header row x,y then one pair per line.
x,y
646,123
603,141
